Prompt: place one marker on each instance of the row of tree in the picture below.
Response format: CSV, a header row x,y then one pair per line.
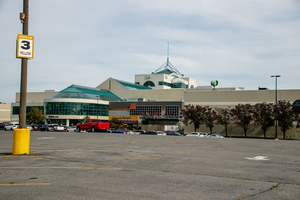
x,y
262,114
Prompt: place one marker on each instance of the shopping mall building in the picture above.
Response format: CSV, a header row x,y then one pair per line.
x,y
154,98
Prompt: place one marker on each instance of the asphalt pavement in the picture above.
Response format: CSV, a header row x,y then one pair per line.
x,y
72,165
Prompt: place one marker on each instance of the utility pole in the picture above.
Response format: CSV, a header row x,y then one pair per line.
x,y
23,88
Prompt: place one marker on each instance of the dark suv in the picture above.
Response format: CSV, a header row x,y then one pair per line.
x,y
150,133
47,127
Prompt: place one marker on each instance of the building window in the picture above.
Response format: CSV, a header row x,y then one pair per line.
x,y
146,110
165,83
172,110
149,84
16,109
173,85
73,108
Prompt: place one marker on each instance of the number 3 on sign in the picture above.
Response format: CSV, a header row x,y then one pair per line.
x,y
25,46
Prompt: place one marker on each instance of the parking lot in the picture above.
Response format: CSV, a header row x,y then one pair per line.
x,y
72,165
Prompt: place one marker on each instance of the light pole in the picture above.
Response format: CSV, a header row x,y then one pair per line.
x,y
23,90
276,111
97,105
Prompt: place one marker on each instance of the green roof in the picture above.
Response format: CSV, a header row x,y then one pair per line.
x,y
82,92
132,85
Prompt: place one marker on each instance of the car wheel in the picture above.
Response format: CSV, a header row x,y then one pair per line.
x,y
93,129
77,129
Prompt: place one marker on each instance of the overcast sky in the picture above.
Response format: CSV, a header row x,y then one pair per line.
x,y
240,43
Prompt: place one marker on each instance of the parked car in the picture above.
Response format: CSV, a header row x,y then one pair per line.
x,y
118,131
174,134
139,131
65,127
203,134
71,128
216,136
2,125
11,127
29,127
57,127
93,125
160,133
109,130
127,131
36,127
150,133
194,134
43,127
47,127
154,133
50,128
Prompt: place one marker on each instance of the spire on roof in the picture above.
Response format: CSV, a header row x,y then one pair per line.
x,y
167,67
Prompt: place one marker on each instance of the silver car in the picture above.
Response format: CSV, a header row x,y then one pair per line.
x,y
71,128
203,134
195,134
216,136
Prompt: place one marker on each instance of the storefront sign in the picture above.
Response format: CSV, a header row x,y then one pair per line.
x,y
132,106
52,117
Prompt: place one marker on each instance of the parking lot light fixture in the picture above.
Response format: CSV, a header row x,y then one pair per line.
x,y
276,110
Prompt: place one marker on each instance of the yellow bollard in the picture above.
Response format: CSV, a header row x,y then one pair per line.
x,y
21,141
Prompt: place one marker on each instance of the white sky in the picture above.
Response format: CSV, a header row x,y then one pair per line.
x,y
240,43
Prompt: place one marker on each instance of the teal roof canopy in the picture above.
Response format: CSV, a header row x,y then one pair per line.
x,y
82,92
132,86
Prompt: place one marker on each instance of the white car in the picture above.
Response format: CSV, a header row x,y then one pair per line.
x,y
160,133
58,128
11,127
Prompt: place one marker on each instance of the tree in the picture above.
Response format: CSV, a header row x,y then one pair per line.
x,y
242,115
115,123
210,117
223,117
263,115
86,117
35,116
193,115
286,114
297,115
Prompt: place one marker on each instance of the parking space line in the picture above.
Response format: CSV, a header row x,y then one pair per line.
x,y
22,184
90,157
60,168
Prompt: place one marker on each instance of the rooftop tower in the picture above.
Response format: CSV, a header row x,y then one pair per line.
x,y
165,77
167,67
